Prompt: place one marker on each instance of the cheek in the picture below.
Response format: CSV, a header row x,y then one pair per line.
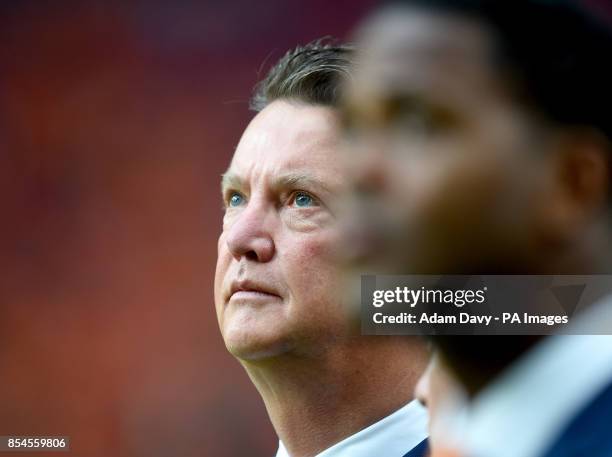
x,y
220,242
416,189
456,191
223,262
311,266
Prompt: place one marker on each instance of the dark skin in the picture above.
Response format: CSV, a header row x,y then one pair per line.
x,y
455,175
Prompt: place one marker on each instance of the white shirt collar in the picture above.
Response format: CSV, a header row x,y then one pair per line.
x,y
532,403
392,436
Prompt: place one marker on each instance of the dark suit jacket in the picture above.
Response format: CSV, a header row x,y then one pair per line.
x,y
419,451
589,434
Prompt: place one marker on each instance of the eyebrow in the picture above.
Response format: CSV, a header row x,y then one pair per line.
x,y
299,179
305,180
230,181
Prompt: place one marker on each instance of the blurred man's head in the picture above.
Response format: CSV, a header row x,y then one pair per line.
x,y
481,133
444,396
481,140
276,284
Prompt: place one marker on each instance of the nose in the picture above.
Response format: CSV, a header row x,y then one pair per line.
x,y
368,168
250,236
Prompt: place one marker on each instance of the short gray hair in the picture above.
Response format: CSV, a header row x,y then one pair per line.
x,y
313,73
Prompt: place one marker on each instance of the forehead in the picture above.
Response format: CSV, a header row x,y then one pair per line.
x,y
409,50
288,137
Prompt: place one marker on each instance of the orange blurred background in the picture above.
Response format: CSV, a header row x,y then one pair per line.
x,y
116,121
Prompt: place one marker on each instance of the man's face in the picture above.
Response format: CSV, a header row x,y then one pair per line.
x,y
276,283
443,161
443,395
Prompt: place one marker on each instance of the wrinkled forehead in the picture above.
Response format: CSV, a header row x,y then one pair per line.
x,y
289,137
409,49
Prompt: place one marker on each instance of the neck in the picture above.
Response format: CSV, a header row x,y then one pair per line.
x,y
315,401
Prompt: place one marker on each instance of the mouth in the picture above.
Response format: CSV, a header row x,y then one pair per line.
x,y
361,243
252,292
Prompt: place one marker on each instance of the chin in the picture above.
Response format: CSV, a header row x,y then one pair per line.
x,y
250,345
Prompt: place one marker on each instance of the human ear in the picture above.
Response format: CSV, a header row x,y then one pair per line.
x,y
579,182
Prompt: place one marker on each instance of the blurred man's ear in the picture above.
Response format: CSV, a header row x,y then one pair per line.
x,y
580,182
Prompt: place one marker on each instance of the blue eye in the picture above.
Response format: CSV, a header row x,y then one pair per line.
x,y
303,200
236,199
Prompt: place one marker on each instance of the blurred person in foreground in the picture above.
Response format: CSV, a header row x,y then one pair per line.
x,y
278,295
480,134
445,398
